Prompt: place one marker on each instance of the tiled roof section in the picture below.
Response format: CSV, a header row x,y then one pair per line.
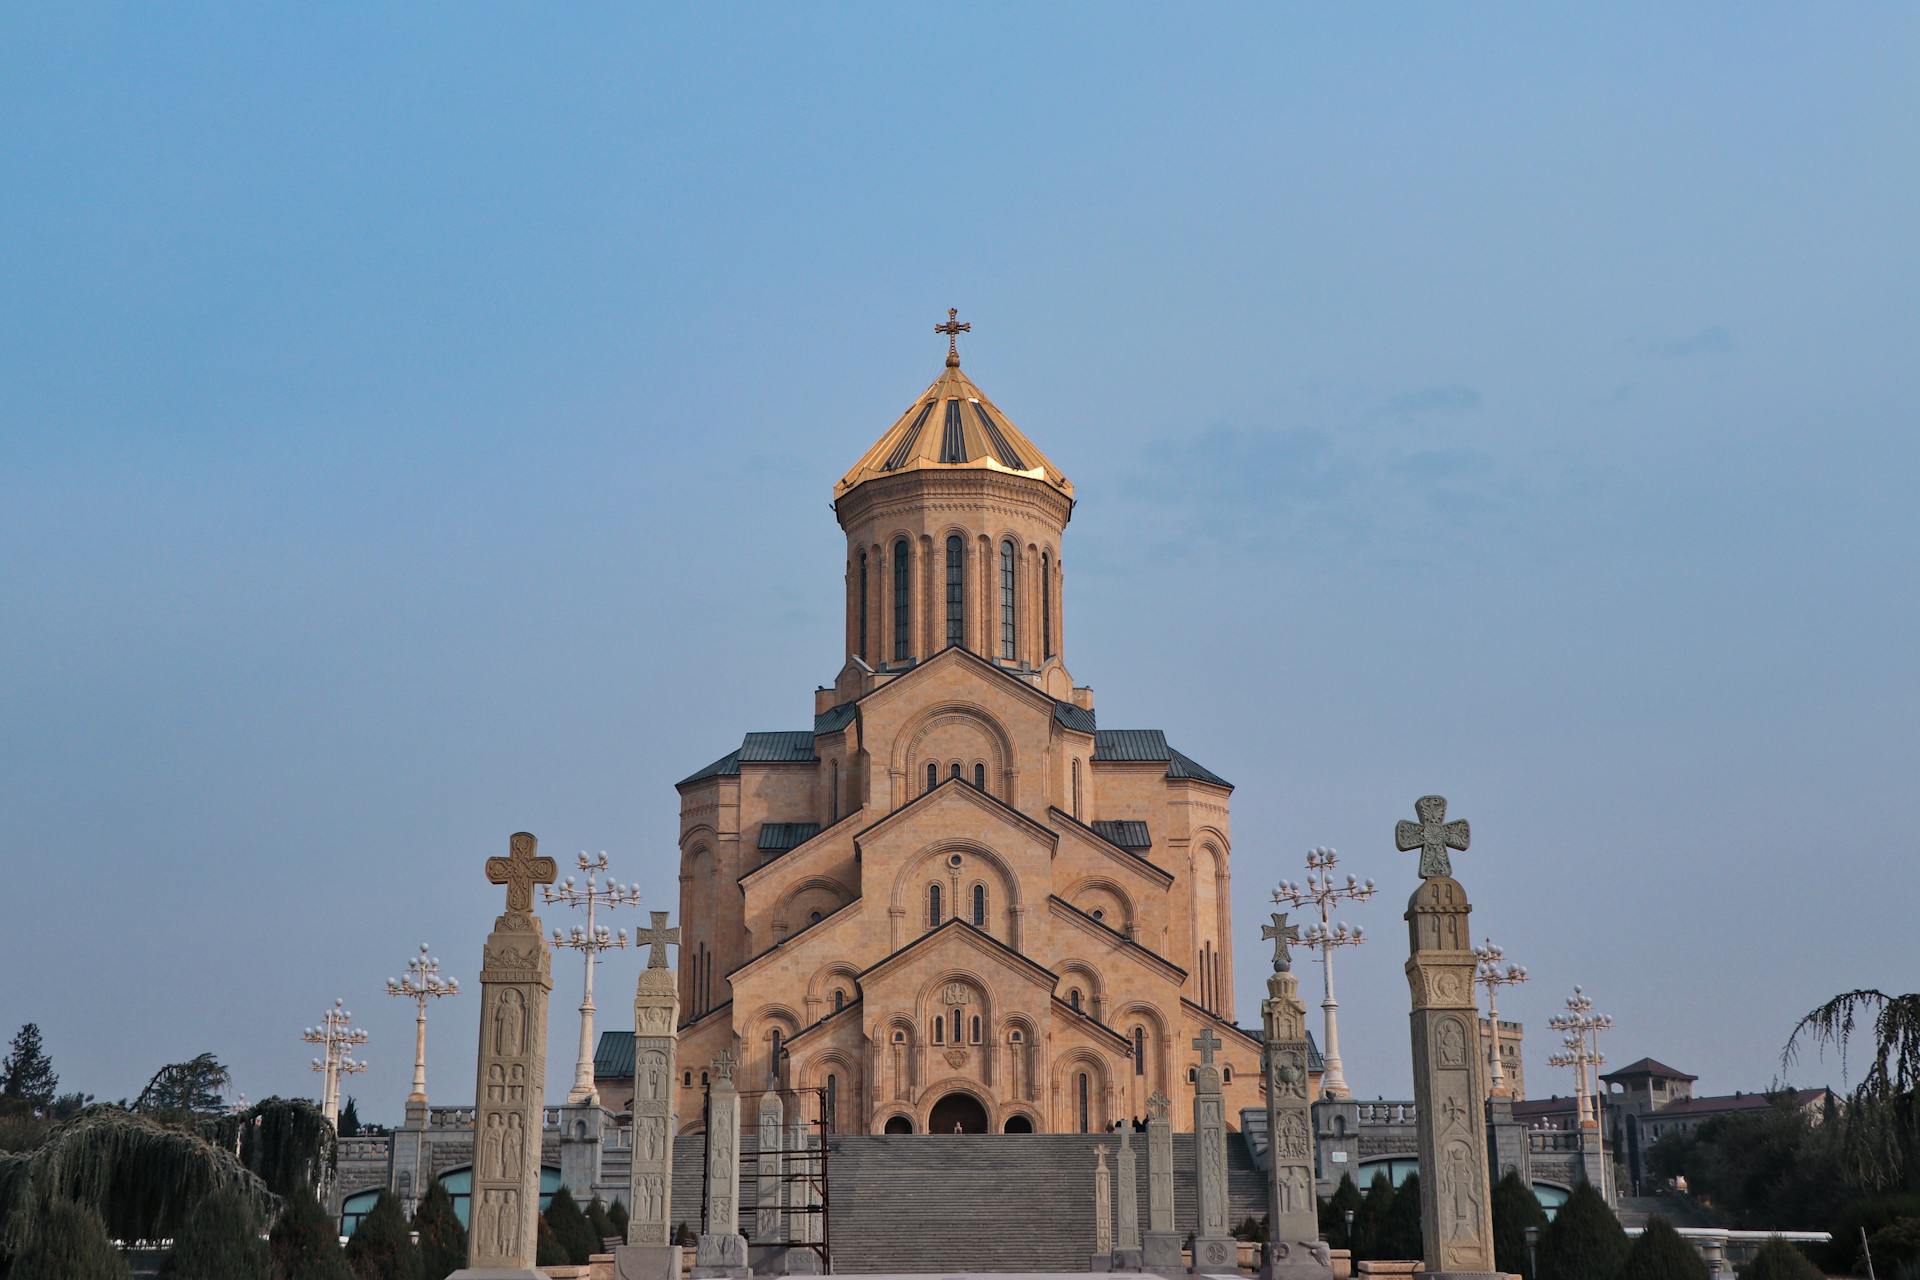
x,y
1129,833
1188,767
778,837
1072,717
787,746
1131,744
1648,1067
1722,1104
833,719
727,766
613,1056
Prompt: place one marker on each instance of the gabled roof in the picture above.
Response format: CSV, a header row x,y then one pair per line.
x,y
1129,857
1187,767
1149,746
1034,968
778,837
727,766
780,746
833,719
1723,1104
1045,832
952,426
1647,1067
1108,932
1079,719
1128,833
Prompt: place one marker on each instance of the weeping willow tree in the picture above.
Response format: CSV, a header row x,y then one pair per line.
x,y
286,1141
1881,1122
143,1178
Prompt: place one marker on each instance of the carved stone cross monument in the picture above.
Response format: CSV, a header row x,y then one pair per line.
x,y
1283,936
1162,1245
1296,1252
1214,1249
649,1253
1102,1211
1126,1246
516,976
1449,1080
722,1250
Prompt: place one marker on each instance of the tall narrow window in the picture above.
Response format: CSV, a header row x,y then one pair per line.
x,y
933,775
902,583
939,1029
1076,786
833,787
866,637
1139,1051
956,1026
1007,632
1086,1103
980,905
980,776
955,772
839,999
773,1054
829,1103
1073,998
933,905
973,1030
1046,606
956,591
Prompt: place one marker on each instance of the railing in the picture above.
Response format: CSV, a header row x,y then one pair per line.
x,y
1385,1113
1542,1141
363,1148
462,1117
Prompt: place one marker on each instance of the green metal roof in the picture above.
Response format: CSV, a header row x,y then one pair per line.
x,y
778,837
1149,746
1072,717
1128,833
833,719
613,1056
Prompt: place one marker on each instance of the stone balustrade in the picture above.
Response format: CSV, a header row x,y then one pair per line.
x,y
1543,1141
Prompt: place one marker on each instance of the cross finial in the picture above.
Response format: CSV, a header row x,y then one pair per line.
x,y
953,328
1282,935
520,871
659,937
1433,835
1206,1042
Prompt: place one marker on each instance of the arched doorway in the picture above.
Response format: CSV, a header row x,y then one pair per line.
x,y
1018,1124
958,1113
899,1124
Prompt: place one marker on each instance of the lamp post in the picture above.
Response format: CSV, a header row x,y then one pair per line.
x,y
336,1036
590,942
1322,892
1533,1242
1490,975
1583,1027
422,983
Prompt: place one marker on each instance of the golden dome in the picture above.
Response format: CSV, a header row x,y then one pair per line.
x,y
952,426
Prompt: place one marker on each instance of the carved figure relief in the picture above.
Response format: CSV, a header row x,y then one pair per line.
x,y
956,1057
1452,1042
490,1146
1463,1206
509,1024
513,1147
1291,1184
653,1076
1289,1074
651,1134
1291,1140
517,1083
956,993
653,1198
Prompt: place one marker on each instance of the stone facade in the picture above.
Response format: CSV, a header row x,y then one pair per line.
x,y
955,902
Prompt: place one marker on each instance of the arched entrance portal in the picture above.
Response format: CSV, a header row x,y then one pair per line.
x,y
899,1124
958,1113
1018,1124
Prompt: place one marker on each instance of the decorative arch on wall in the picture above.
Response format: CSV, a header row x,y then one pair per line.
x,y
839,1064
805,896
834,975
758,1041
939,1089
1019,1042
1110,898
1086,977
910,757
1066,1070
1159,1067
930,865
1212,924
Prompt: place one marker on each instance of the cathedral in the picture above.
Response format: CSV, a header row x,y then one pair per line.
x,y
955,903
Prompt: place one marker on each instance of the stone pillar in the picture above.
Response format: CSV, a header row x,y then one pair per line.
x,y
1292,1211
802,1226
1126,1249
516,976
1214,1248
766,1161
1161,1248
1102,1258
722,1251
1449,1084
649,1253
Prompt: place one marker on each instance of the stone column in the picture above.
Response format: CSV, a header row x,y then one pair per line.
x,y
1162,1244
1292,1212
516,976
722,1251
1449,1081
1102,1258
766,1214
649,1253
1126,1249
802,1226
1214,1248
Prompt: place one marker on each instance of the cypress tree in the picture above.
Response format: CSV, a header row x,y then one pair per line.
x,y
26,1077
70,1242
1584,1241
601,1222
1370,1218
1778,1260
547,1249
381,1247
617,1215
304,1243
1661,1254
1333,1213
443,1241
1399,1237
570,1228
221,1241
1515,1208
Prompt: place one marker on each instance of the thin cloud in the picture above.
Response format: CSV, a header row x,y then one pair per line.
x,y
1455,399
1709,341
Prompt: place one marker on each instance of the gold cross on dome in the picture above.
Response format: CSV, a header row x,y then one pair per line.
x,y
953,328
520,871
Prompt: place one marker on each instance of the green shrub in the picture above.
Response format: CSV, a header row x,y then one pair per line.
x,y
547,1249
381,1247
1333,1213
221,1241
1584,1241
617,1215
1661,1254
1896,1244
70,1243
570,1228
601,1222
1778,1260
1515,1208
1869,1215
443,1241
1399,1238
305,1242
1370,1218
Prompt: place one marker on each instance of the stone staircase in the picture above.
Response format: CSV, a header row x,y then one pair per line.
x,y
993,1202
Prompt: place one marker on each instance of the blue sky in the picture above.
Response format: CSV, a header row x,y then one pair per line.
x,y
419,424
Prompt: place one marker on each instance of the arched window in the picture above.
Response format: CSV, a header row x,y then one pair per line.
x,y
813,917
973,1030
833,790
933,775
940,1029
704,1082
773,1054
955,771
866,636
1086,1103
829,1103
686,1079
980,905
956,593
1076,786
1073,998
1046,605
1139,1051
933,905
1014,1035
1007,632
1226,1075
839,1000
980,777
902,584
899,1037
956,1026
